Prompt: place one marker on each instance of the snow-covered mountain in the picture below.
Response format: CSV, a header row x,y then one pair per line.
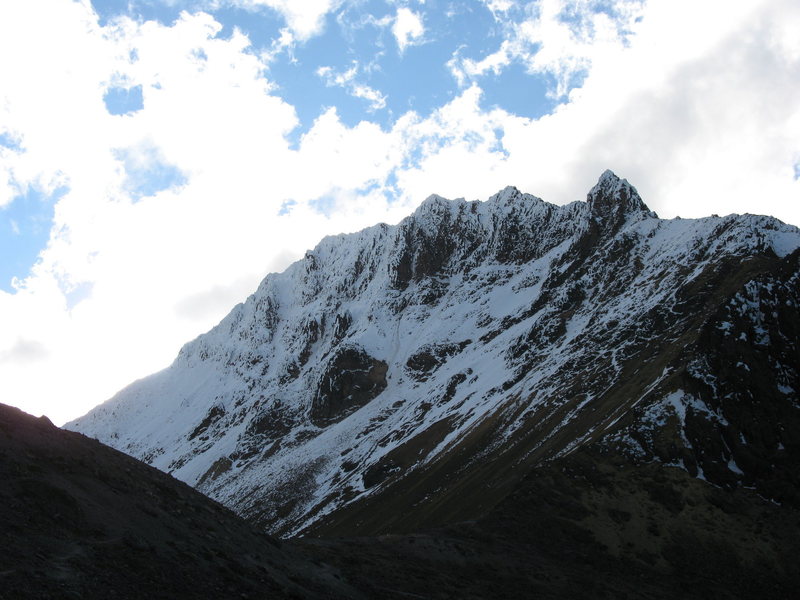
x,y
412,375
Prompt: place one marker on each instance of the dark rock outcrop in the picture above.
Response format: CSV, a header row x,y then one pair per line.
x,y
351,379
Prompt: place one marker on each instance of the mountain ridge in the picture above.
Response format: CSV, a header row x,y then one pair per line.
x,y
396,361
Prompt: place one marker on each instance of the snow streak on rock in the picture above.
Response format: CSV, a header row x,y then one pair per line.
x,y
510,330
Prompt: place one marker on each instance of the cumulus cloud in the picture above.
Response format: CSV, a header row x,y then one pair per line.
x,y
707,125
408,29
712,118
208,112
560,38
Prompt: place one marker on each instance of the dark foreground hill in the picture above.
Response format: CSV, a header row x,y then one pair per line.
x,y
81,520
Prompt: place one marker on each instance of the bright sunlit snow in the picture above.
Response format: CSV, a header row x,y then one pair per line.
x,y
528,298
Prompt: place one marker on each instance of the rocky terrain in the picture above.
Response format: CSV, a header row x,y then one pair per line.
x,y
411,376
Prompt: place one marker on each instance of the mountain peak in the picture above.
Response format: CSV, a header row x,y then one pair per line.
x,y
507,195
470,334
609,176
615,198
433,200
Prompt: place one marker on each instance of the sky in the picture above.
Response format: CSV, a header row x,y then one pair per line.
x,y
159,157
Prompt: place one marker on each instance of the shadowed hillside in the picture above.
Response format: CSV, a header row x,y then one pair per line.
x,y
81,520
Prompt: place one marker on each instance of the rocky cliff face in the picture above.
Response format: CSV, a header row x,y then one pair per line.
x,y
412,375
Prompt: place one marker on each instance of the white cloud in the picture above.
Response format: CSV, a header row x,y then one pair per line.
x,y
711,117
347,80
707,125
344,158
23,352
694,109
209,112
376,99
7,188
498,6
285,42
560,38
334,78
306,19
407,28
467,70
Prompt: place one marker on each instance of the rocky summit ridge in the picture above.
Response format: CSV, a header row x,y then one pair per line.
x,y
415,375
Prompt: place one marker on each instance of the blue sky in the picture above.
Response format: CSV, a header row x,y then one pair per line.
x,y
355,41
24,232
159,157
358,38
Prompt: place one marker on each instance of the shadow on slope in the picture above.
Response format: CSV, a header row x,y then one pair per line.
x,y
81,520
589,527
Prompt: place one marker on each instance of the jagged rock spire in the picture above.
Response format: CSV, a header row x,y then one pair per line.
x,y
614,200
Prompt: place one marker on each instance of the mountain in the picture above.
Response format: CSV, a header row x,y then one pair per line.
x,y
81,520
423,375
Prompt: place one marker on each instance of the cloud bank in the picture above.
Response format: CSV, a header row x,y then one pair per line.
x,y
173,209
